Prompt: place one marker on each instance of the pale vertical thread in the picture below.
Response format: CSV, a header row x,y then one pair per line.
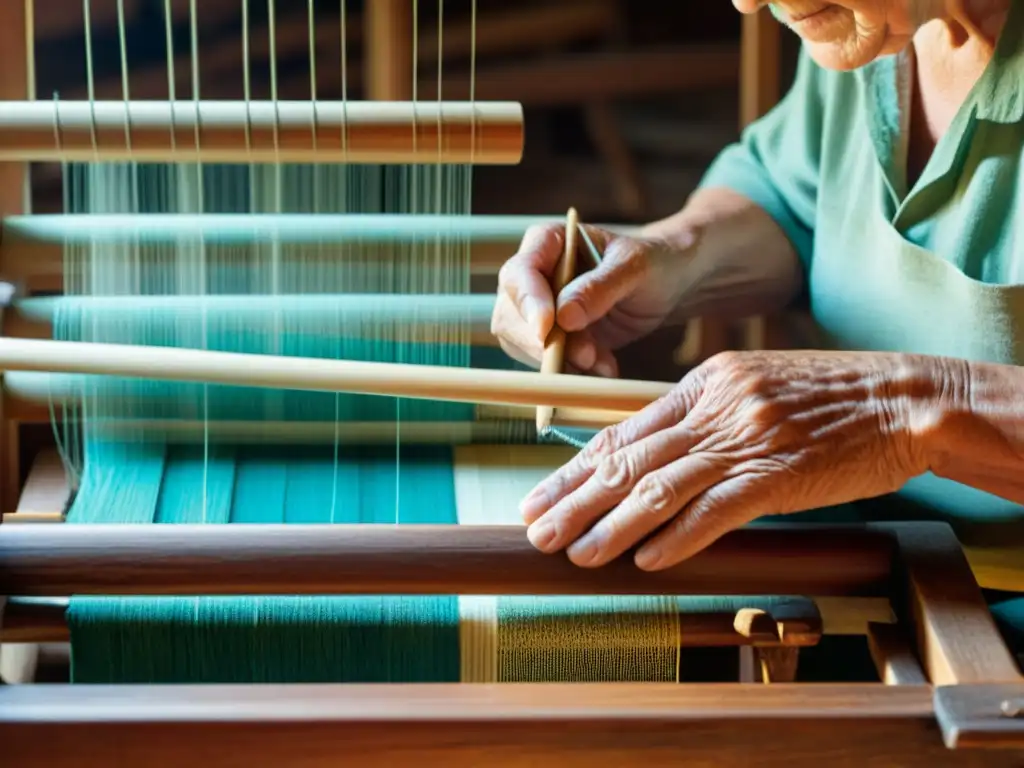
x,y
200,252
478,639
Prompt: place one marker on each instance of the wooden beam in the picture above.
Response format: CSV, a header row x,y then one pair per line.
x,y
760,64
463,725
17,82
893,654
388,57
46,560
958,641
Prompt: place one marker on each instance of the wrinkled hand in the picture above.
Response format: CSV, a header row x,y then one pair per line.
x,y
745,435
625,297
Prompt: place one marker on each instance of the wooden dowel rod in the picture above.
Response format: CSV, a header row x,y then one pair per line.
x,y
53,560
479,133
553,357
321,375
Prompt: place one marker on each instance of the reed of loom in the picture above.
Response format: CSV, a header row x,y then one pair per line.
x,y
949,692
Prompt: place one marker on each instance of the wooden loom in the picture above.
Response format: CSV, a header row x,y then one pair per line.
x,y
949,692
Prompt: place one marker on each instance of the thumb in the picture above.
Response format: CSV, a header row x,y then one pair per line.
x,y
622,271
526,277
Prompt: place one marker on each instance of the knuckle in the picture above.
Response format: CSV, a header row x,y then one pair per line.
x,y
617,471
602,445
655,495
506,273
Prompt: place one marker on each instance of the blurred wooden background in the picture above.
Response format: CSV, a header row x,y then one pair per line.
x,y
626,102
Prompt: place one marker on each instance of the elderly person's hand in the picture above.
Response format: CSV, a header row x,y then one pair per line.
x,y
743,436
628,295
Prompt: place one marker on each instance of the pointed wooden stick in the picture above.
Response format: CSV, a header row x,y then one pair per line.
x,y
427,382
553,360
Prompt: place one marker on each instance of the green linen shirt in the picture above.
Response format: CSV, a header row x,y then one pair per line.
x,y
934,268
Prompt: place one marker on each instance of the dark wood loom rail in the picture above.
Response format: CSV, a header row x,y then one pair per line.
x,y
55,560
573,725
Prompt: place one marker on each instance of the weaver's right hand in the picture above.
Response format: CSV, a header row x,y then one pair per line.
x,y
627,296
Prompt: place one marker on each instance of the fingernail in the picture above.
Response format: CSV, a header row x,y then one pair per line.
x,y
587,356
605,369
583,552
572,317
647,558
534,504
542,535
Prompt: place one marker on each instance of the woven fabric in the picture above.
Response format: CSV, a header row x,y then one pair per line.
x,y
338,638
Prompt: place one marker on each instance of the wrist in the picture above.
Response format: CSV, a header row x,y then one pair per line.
x,y
937,395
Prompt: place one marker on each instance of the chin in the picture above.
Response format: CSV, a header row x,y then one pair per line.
x,y
844,57
836,58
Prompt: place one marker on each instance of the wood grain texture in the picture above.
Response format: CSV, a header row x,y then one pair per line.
x,y
47,560
583,726
16,83
957,638
262,131
432,382
893,653
389,34
553,358
759,66
46,490
997,567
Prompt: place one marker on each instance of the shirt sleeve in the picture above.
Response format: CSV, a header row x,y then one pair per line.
x,y
776,162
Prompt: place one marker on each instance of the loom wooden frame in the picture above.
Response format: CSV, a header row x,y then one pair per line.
x,y
962,715
430,133
937,704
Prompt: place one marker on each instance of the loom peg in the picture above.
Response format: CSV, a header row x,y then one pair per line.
x,y
397,133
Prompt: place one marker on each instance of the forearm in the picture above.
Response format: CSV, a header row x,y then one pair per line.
x,y
737,261
976,437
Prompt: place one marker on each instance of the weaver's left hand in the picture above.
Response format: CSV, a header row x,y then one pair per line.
x,y
745,435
